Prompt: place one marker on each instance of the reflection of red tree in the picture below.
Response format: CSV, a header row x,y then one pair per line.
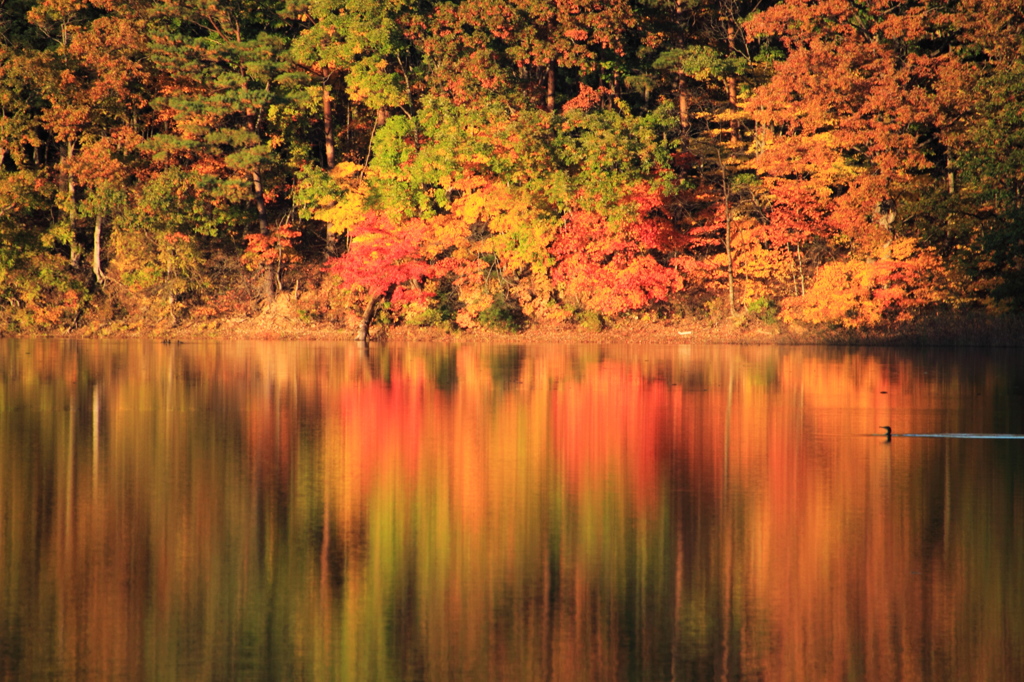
x,y
373,436
384,428
609,427
606,428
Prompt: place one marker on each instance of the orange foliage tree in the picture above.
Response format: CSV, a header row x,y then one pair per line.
x,y
613,265
851,118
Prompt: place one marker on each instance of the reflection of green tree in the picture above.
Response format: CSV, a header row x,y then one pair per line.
x,y
988,537
427,601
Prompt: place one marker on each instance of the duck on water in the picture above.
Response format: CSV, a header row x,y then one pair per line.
x,y
1001,436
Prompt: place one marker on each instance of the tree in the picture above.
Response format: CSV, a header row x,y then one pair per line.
x,y
986,166
614,265
225,93
385,259
522,44
853,116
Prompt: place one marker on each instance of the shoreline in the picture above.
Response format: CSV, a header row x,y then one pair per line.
x,y
282,322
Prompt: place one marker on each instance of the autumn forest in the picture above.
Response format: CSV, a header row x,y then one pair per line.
x,y
499,163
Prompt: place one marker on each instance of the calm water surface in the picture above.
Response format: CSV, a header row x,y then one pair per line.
x,y
299,511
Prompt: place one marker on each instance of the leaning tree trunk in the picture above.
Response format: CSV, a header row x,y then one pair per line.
x,y
363,333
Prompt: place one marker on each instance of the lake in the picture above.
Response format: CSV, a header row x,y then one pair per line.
x,y
316,511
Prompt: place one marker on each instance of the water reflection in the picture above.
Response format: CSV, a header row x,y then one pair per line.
x,y
305,511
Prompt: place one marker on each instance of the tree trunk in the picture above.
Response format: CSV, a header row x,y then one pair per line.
x,y
728,236
382,118
681,98
796,274
328,125
363,333
97,270
269,272
331,246
261,206
684,109
75,254
886,214
549,100
74,250
732,87
800,262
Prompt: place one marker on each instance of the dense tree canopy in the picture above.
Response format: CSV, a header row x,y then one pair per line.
x,y
497,162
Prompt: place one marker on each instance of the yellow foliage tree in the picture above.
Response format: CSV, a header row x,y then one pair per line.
x,y
900,279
